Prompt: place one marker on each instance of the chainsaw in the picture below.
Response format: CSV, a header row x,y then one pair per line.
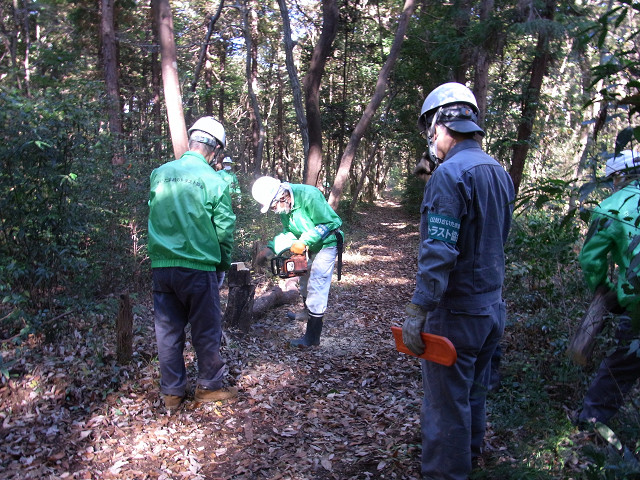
x,y
294,265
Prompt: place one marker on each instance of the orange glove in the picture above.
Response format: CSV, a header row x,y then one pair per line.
x,y
298,247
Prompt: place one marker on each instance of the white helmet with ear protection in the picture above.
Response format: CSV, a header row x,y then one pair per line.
x,y
213,130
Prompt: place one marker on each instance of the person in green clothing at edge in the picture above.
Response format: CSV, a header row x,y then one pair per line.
x,y
614,237
229,176
309,223
191,228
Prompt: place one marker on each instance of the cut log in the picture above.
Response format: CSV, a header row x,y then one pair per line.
x,y
583,341
284,293
239,311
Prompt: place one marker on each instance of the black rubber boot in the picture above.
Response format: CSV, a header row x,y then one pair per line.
x,y
312,335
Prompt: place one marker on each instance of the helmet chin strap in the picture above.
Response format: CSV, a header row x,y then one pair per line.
x,y
433,145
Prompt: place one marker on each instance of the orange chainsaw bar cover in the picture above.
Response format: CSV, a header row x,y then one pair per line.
x,y
438,349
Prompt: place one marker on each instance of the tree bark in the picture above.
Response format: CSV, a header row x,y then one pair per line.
x,y
583,340
293,78
283,294
110,68
482,62
124,330
257,127
239,311
530,101
201,60
170,80
312,82
378,96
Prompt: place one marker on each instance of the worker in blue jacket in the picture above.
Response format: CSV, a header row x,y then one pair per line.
x,y
466,216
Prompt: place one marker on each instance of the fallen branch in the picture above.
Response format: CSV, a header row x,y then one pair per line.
x,y
583,341
46,322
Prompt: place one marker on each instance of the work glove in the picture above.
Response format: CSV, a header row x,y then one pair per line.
x,y
412,328
298,247
264,257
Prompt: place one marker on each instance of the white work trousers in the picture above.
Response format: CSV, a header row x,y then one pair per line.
x,y
315,285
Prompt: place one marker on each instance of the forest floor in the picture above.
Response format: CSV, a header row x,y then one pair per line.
x,y
348,409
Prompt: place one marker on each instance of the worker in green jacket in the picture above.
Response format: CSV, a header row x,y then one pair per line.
x,y
309,223
614,237
229,176
191,227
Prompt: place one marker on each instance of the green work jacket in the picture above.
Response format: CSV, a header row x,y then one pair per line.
x,y
232,180
191,222
310,220
614,236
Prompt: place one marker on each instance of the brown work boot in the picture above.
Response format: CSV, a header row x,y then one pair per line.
x,y
203,395
172,402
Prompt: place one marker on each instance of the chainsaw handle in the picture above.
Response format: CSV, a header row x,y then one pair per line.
x,y
276,265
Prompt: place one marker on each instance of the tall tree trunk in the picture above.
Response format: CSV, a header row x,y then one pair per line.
x,y
379,94
462,9
156,78
530,100
293,78
311,82
257,129
110,66
202,56
482,61
170,80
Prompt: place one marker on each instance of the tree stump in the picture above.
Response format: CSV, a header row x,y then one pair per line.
x,y
124,330
239,311
583,341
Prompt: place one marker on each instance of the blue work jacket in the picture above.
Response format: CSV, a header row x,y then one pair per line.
x,y
465,220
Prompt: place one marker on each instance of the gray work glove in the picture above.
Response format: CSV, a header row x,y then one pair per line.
x,y
412,328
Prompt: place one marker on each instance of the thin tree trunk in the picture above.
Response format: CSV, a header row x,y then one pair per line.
x,y
483,61
312,90
252,78
530,101
293,78
170,80
110,66
202,56
378,96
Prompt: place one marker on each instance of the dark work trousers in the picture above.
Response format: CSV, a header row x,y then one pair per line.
x,y
181,296
453,415
617,374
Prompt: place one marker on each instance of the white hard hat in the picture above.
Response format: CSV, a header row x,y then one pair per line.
x,y
456,106
212,128
623,163
227,160
264,190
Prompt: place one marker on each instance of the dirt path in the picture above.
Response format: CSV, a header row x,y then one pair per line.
x,y
348,409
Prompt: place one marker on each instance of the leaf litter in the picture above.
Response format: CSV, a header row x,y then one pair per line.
x,y
348,409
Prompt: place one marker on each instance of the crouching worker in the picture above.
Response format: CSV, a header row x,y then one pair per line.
x,y
309,223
